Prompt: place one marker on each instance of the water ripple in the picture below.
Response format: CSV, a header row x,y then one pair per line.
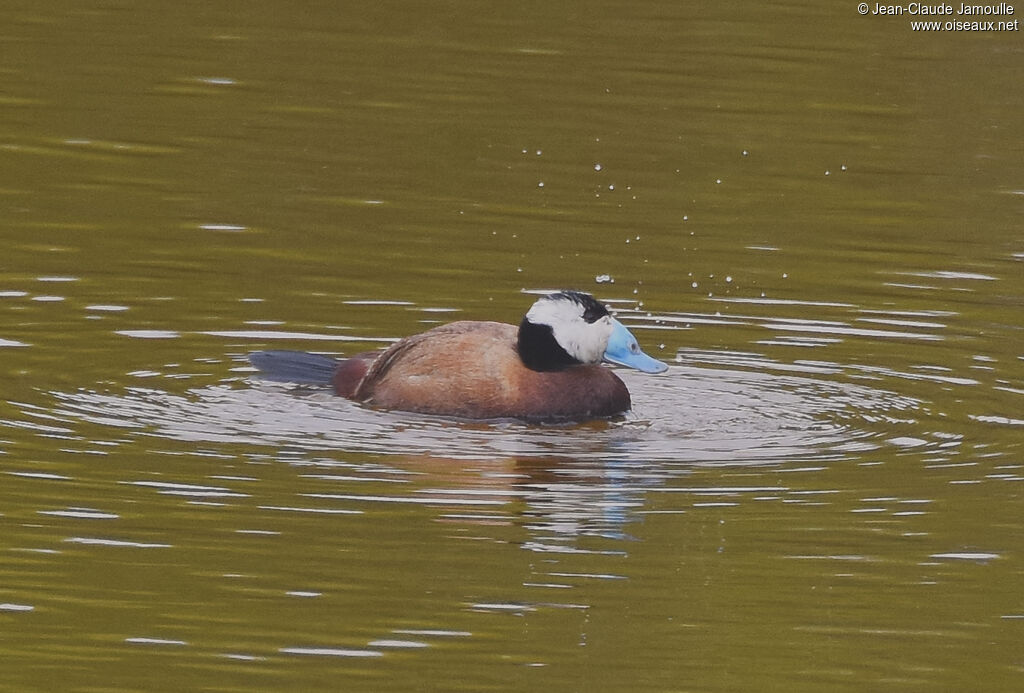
x,y
690,414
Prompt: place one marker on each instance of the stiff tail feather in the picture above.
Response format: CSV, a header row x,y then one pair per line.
x,y
294,366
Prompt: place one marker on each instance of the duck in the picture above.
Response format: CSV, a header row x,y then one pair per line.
x,y
549,368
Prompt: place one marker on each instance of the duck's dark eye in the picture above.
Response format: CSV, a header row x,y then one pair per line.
x,y
593,310
594,313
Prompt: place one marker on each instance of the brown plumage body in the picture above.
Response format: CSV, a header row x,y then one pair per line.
x,y
472,369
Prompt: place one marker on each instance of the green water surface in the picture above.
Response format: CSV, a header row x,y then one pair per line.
x,y
814,216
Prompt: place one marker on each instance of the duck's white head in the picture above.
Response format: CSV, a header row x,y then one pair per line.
x,y
570,328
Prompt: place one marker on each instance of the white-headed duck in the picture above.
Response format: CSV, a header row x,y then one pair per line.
x,y
547,369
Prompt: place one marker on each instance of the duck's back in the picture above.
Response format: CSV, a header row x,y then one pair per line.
x,y
472,370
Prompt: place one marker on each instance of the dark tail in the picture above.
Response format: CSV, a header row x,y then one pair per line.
x,y
294,366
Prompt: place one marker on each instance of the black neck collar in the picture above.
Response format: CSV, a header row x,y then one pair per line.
x,y
539,350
